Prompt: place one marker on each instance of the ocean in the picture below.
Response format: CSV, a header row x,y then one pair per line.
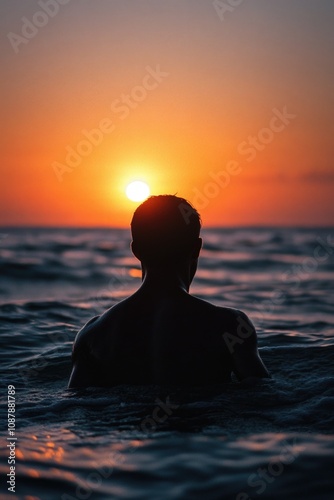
x,y
269,441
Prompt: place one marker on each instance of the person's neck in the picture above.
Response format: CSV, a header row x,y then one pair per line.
x,y
165,279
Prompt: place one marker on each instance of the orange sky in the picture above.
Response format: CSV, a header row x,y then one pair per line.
x,y
231,111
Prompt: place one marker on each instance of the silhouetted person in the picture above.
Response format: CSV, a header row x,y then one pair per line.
x,y
161,334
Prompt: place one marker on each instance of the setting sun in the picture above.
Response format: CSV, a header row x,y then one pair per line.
x,y
137,191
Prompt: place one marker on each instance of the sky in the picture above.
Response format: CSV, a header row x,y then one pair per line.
x,y
227,103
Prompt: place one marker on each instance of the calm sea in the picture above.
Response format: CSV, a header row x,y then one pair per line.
x,y
271,441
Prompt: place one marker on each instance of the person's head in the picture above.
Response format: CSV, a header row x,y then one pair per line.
x,y
165,232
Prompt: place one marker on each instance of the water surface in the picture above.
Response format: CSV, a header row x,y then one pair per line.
x,y
274,440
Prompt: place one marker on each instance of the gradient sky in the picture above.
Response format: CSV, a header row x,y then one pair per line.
x,y
226,73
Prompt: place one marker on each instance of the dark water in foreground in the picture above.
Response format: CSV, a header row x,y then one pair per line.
x,y
272,441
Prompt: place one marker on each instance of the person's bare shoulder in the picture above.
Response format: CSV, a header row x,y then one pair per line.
x,y
223,315
84,337
239,332
240,338
238,335
91,336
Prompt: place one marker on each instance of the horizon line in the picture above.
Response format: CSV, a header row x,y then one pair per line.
x,y
207,226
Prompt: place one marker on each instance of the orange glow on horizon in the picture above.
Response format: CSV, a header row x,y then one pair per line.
x,y
174,97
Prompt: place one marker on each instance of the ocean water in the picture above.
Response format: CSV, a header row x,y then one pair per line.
x,y
270,441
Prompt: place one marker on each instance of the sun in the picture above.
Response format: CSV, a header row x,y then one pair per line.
x,y
137,191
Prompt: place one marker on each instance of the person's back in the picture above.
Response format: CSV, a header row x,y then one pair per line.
x,y
162,334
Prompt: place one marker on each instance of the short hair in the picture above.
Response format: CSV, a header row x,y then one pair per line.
x,y
164,229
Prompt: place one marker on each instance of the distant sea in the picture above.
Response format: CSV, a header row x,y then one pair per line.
x,y
271,441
